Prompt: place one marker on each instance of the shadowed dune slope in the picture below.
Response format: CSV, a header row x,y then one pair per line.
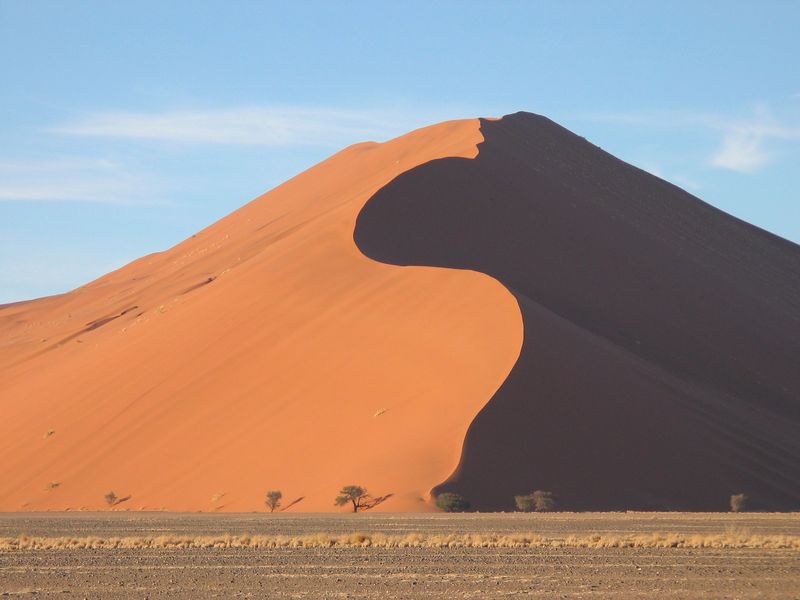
x,y
660,366
265,352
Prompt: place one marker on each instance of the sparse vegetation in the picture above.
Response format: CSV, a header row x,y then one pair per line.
x,y
739,503
359,498
540,501
452,502
110,498
524,503
273,500
543,501
411,540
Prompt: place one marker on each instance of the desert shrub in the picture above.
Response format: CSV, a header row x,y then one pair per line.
x,y
739,502
451,502
524,503
539,501
110,498
543,501
273,500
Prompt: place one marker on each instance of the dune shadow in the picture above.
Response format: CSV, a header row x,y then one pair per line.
x,y
659,363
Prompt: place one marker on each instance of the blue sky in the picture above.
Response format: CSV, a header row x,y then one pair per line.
x,y
126,127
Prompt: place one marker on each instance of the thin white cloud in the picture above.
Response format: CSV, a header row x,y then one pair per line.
x,y
96,181
741,152
253,125
743,145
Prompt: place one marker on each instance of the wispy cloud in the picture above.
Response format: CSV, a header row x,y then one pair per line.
x,y
73,180
743,143
253,125
742,152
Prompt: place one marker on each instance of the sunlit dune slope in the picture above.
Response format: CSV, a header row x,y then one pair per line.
x,y
661,362
265,352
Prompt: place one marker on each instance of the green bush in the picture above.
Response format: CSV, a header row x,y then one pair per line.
x,y
451,502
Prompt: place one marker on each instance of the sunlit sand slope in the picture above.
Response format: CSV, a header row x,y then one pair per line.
x,y
266,352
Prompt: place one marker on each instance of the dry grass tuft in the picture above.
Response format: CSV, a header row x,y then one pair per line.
x,y
416,540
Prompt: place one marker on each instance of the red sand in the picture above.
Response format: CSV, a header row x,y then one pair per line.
x,y
659,367
266,352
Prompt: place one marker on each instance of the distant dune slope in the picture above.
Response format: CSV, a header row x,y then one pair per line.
x,y
266,352
660,367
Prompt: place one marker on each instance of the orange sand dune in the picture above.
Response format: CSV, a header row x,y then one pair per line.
x,y
264,352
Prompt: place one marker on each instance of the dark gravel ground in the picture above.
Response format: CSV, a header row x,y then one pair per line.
x,y
383,573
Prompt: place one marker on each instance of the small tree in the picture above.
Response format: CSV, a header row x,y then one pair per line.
x,y
451,502
524,503
273,500
110,498
543,501
359,498
355,494
739,502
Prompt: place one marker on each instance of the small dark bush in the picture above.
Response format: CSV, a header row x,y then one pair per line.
x,y
273,500
739,503
539,501
450,502
110,498
524,503
543,501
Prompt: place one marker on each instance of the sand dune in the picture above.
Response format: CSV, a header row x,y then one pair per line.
x,y
661,361
265,352
483,306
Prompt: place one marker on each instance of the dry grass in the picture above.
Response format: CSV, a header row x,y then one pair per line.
x,y
379,540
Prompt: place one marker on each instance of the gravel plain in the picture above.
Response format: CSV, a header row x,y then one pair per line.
x,y
413,572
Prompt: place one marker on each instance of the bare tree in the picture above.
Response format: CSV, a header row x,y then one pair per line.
x,y
273,500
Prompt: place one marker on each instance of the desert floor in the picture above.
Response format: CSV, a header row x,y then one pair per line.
x,y
557,565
